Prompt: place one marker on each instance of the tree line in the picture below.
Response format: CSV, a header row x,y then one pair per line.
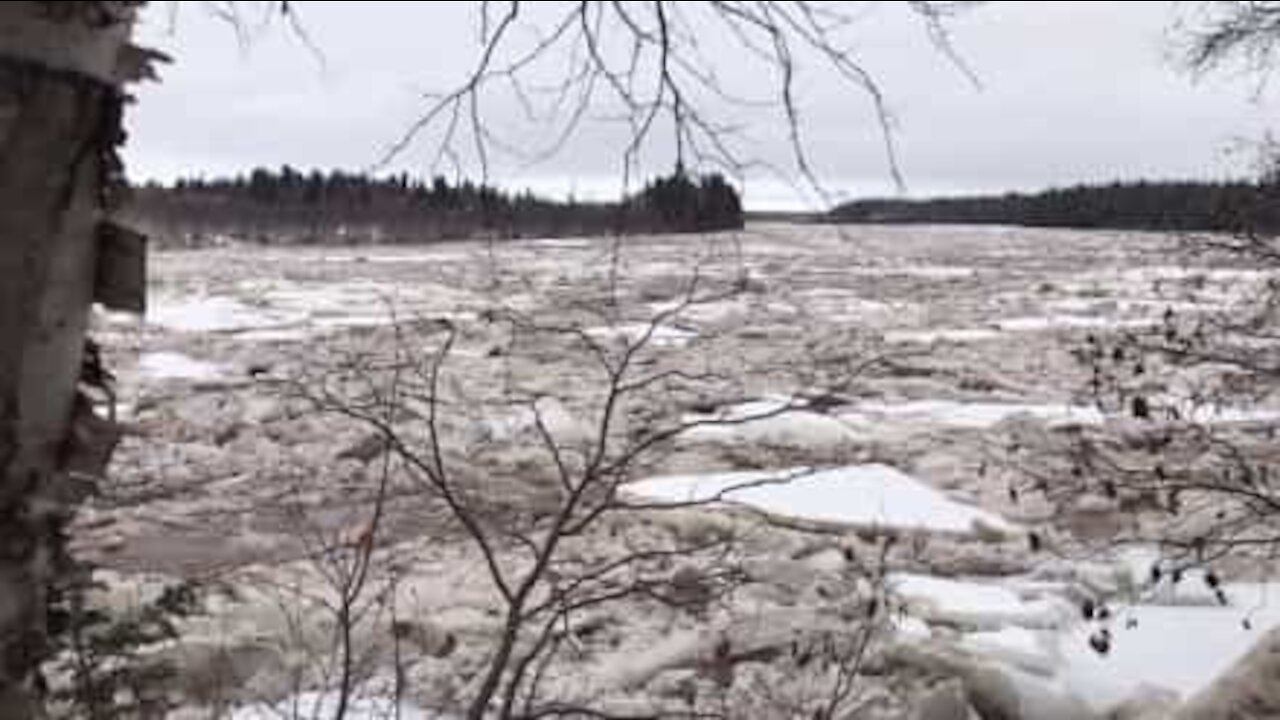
x,y
287,206
1142,205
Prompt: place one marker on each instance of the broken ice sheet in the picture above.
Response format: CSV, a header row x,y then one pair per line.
x,y
859,495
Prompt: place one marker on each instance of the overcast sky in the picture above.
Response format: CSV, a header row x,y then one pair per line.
x,y
1070,92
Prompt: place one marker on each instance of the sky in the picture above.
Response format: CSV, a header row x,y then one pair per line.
x,y
1066,92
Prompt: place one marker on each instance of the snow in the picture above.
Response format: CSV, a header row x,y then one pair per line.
x,y
999,328
925,272
702,312
1059,322
562,243
1182,648
398,258
1178,648
863,495
357,297
1231,415
974,603
215,314
1029,650
176,366
1151,273
942,335
909,626
974,415
288,311
769,422
324,705
269,335
560,422
662,335
1028,622
839,305
337,322
114,317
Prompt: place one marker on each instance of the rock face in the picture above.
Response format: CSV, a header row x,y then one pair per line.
x,y
1250,690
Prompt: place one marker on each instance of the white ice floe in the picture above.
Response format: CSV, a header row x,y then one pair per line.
x,y
398,258
839,305
338,322
984,415
911,627
109,317
1231,415
1068,322
216,314
862,495
942,335
335,298
1027,649
977,604
273,335
1003,328
176,366
975,415
702,312
660,336
560,243
557,420
1180,648
769,421
924,272
287,311
325,705
1131,276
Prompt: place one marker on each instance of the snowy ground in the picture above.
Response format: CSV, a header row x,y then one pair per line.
x,y
973,328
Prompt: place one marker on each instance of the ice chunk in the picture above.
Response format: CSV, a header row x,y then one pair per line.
x,y
976,415
864,495
660,336
1181,648
974,603
215,314
325,704
176,366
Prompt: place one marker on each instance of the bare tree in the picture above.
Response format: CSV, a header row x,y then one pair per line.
x,y
61,72
1220,33
557,532
646,65
1185,462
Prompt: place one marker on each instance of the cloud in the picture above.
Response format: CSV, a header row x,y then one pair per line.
x,y
1070,92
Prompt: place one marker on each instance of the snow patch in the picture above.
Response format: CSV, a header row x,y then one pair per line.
x,y
1177,648
975,415
943,335
661,336
974,603
269,335
924,272
1066,322
769,422
325,705
176,366
862,495
216,314
1029,650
